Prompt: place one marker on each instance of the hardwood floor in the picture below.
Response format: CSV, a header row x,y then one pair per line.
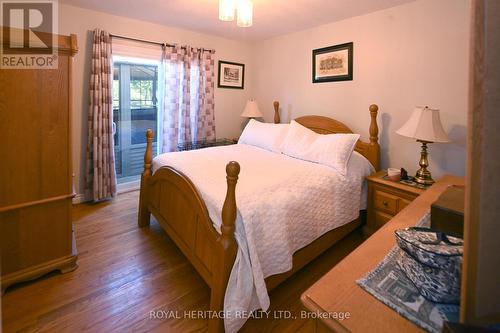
x,y
125,273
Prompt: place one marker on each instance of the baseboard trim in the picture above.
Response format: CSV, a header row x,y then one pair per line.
x,y
120,189
79,198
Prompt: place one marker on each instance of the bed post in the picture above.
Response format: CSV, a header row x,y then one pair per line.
x,y
144,214
229,208
276,105
223,267
374,136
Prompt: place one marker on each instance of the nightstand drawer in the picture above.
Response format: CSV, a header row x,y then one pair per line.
x,y
403,203
381,219
385,199
385,202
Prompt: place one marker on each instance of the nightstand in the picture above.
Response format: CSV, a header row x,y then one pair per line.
x,y
385,199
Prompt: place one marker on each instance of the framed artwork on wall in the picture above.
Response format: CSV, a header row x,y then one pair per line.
x,y
231,75
332,63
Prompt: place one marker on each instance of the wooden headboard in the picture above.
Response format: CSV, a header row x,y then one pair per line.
x,y
324,125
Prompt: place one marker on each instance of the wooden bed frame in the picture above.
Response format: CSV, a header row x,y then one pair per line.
x,y
178,207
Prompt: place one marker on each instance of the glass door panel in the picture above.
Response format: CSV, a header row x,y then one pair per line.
x,y
135,109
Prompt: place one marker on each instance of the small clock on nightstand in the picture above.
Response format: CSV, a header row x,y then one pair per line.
x,y
386,198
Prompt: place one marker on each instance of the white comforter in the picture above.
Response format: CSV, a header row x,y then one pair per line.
x,y
283,205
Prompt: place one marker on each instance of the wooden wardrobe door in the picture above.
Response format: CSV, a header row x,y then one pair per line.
x,y
35,169
34,131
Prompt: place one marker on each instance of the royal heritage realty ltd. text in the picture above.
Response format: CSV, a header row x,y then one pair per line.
x,y
275,314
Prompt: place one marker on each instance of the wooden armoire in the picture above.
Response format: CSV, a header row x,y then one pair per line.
x,y
36,175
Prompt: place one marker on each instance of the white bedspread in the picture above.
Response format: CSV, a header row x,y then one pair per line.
x,y
283,205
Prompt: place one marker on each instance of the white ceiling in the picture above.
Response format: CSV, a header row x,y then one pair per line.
x,y
271,17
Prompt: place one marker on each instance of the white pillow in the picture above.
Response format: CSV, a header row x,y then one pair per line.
x,y
264,135
333,150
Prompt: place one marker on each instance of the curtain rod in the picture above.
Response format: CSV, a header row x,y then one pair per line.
x,y
153,42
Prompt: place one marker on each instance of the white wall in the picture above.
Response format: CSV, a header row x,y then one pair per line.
x,y
228,102
413,54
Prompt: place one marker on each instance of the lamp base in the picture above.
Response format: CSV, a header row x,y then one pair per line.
x,y
423,176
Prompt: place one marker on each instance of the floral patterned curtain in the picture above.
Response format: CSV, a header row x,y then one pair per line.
x,y
188,105
100,180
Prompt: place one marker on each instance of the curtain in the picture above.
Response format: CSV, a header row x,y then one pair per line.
x,y
100,180
188,103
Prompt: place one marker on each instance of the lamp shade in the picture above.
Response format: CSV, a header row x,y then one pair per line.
x,y
251,110
425,125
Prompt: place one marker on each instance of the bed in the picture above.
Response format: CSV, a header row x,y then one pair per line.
x,y
210,242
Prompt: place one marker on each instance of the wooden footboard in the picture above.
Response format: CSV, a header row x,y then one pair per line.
x,y
178,207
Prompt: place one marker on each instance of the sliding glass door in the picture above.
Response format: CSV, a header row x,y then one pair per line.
x,y
135,109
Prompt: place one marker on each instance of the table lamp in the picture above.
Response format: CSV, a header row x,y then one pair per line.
x,y
425,126
251,110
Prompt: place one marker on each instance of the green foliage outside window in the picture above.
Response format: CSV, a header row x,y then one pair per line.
x,y
141,94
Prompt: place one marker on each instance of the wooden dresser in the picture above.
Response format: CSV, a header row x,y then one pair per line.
x,y
36,185
385,199
337,290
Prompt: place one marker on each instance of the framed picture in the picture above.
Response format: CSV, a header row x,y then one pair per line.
x,y
231,75
333,63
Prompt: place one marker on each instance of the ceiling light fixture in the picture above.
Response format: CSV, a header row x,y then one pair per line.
x,y
226,10
245,13
243,8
